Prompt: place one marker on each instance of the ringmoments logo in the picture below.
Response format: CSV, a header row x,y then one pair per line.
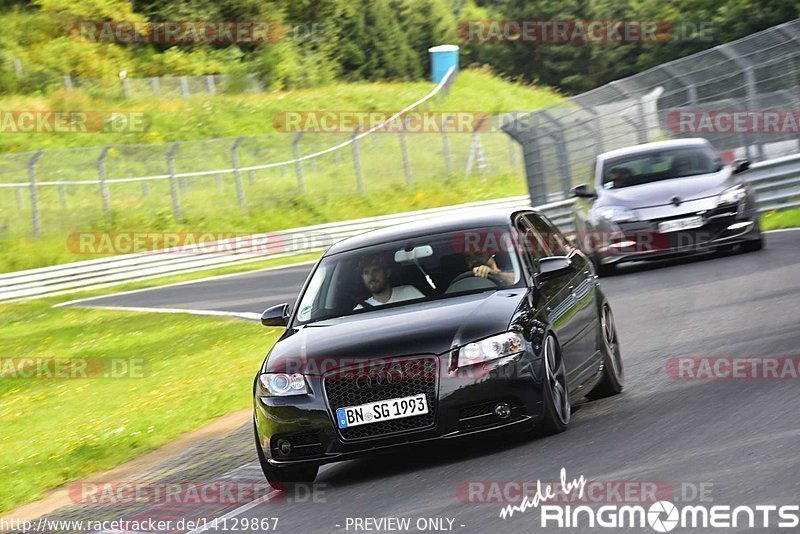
x,y
660,516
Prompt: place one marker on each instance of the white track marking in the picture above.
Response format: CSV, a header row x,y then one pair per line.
x,y
250,316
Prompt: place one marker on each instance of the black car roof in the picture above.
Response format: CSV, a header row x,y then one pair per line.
x,y
478,218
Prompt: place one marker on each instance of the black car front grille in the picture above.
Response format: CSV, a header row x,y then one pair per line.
x,y
382,380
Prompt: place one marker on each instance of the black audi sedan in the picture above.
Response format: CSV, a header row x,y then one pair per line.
x,y
432,330
662,199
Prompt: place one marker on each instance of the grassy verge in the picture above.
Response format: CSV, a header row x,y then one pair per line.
x,y
22,252
188,371
774,220
203,117
437,165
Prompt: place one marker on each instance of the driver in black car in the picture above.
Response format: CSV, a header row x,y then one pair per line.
x,y
483,265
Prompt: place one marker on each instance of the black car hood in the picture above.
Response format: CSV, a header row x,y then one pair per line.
x,y
432,327
662,192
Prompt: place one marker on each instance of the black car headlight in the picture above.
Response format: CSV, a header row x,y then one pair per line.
x,y
281,385
491,348
732,195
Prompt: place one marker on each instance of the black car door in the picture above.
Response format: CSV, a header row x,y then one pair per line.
x,y
555,295
582,289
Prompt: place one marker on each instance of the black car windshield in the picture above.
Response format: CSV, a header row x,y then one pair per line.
x,y
642,168
410,271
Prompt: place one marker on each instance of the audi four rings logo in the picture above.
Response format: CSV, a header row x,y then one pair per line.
x,y
380,378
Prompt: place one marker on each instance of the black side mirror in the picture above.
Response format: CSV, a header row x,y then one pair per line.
x,y
740,165
581,191
553,267
276,315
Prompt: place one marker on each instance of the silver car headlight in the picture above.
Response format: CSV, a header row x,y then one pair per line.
x,y
617,214
732,195
491,348
281,385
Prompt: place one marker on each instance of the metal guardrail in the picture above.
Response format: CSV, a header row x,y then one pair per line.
x,y
777,183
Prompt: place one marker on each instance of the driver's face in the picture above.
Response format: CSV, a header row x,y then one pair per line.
x,y
375,278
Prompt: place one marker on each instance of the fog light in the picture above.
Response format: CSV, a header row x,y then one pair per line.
x,y
284,447
502,410
736,226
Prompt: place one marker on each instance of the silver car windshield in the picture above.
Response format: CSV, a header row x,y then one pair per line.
x,y
410,271
657,165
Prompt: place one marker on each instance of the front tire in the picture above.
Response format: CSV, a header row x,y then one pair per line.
x,y
613,374
284,478
557,406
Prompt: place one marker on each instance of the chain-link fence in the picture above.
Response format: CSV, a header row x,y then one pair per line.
x,y
84,188
743,96
132,88
166,86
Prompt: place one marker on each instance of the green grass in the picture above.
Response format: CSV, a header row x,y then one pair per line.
x,y
203,117
275,212
273,198
54,431
774,220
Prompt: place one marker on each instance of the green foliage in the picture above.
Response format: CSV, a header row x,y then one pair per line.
x,y
314,42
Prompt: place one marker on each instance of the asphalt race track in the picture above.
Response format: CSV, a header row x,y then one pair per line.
x,y
737,438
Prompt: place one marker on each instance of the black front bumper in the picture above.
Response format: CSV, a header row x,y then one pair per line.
x,y
463,404
643,241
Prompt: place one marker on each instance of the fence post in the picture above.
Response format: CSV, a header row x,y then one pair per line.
x,y
298,166
173,185
62,196
154,85
357,161
101,174
512,154
560,142
404,150
448,163
18,69
237,175
184,87
126,93
68,82
37,223
212,89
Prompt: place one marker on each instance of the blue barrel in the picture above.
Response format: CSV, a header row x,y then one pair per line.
x,y
442,58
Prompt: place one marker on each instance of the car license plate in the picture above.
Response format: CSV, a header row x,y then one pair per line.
x,y
375,412
680,224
